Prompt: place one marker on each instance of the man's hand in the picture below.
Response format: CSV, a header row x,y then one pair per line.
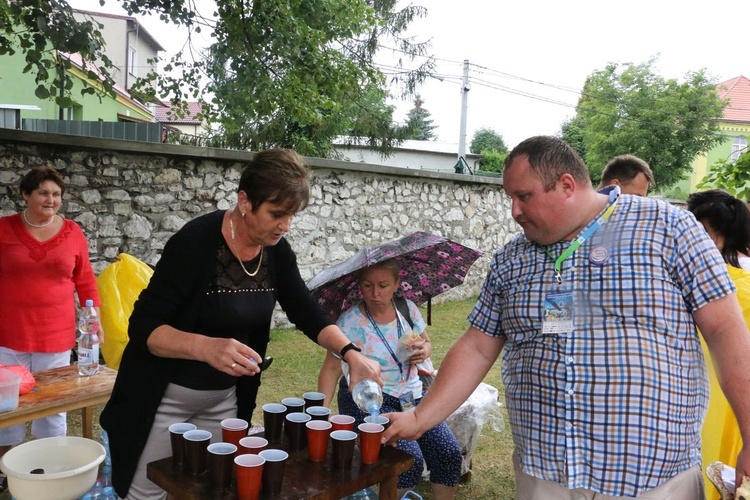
x,y
404,425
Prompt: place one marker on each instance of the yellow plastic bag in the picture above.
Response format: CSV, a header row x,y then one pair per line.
x,y
119,285
721,433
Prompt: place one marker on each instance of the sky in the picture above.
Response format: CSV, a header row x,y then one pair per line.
x,y
529,58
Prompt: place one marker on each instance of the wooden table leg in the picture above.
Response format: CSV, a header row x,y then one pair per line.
x,y
389,488
87,421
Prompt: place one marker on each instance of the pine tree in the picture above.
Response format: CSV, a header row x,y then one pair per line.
x,y
418,123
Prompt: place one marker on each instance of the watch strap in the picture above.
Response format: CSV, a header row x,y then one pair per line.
x,y
348,347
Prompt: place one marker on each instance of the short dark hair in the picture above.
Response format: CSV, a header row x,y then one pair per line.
x,y
34,178
550,157
277,176
625,168
726,215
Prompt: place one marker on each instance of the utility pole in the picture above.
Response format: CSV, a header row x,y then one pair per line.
x,y
465,87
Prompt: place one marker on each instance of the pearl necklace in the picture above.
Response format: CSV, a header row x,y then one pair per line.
x,y
26,219
260,261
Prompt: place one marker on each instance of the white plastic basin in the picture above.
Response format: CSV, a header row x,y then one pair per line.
x,y
70,466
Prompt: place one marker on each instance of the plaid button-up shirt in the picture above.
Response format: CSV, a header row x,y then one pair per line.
x,y
616,405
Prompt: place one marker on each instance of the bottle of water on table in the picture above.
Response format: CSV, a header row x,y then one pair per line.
x,y
88,340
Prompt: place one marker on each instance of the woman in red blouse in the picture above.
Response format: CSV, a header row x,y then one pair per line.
x,y
44,258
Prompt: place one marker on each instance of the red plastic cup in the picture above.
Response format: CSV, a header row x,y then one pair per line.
x,y
249,472
252,445
233,429
369,442
317,439
341,422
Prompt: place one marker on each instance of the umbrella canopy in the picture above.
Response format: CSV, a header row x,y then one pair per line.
x,y
430,265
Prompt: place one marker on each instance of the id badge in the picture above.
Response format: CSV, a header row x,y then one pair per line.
x,y
407,402
558,313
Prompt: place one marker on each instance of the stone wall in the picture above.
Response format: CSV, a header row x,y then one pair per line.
x,y
131,197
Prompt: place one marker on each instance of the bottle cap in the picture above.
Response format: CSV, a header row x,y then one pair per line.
x,y
89,303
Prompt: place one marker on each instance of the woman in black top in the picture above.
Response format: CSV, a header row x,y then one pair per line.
x,y
201,326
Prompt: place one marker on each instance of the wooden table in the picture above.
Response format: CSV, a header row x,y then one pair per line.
x,y
62,389
302,478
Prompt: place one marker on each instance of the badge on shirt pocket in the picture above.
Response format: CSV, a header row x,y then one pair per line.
x,y
558,313
407,402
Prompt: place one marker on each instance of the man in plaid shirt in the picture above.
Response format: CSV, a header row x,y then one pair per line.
x,y
596,305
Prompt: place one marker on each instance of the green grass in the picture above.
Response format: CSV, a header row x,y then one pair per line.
x,y
295,371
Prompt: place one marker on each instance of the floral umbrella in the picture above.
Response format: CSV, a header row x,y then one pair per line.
x,y
430,265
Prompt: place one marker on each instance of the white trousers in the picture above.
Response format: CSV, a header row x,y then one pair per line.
x,y
205,409
687,485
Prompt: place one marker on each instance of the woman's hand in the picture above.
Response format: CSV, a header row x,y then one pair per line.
x,y
231,356
420,352
362,367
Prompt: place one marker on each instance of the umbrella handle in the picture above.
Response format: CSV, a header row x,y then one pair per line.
x,y
429,311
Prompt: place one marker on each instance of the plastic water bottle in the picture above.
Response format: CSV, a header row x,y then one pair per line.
x,y
108,494
96,491
368,396
88,341
105,442
106,476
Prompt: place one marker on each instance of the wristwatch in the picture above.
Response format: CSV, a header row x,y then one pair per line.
x,y
348,347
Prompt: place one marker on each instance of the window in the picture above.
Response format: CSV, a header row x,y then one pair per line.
x,y
132,61
739,146
73,113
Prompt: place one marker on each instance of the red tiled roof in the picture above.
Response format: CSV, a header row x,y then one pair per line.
x,y
737,92
162,114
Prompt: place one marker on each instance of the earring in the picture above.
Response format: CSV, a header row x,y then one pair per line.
x,y
243,215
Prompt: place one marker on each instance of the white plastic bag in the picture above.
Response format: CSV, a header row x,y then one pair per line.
x,y
467,421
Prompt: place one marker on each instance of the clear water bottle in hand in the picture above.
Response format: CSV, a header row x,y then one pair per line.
x,y
88,340
368,396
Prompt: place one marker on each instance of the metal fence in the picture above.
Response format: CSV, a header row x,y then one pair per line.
x,y
130,131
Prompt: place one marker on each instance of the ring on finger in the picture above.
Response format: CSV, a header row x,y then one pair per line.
x,y
233,365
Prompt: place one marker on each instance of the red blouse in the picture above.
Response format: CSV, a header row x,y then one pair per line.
x,y
37,280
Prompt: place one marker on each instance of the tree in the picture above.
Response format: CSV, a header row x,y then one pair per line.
x,y
492,147
41,28
486,139
627,109
280,74
419,125
732,177
492,161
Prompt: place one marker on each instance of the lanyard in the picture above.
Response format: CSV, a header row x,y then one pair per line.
x,y
400,331
583,236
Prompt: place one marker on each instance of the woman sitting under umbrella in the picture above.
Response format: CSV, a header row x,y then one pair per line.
x,y
376,326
